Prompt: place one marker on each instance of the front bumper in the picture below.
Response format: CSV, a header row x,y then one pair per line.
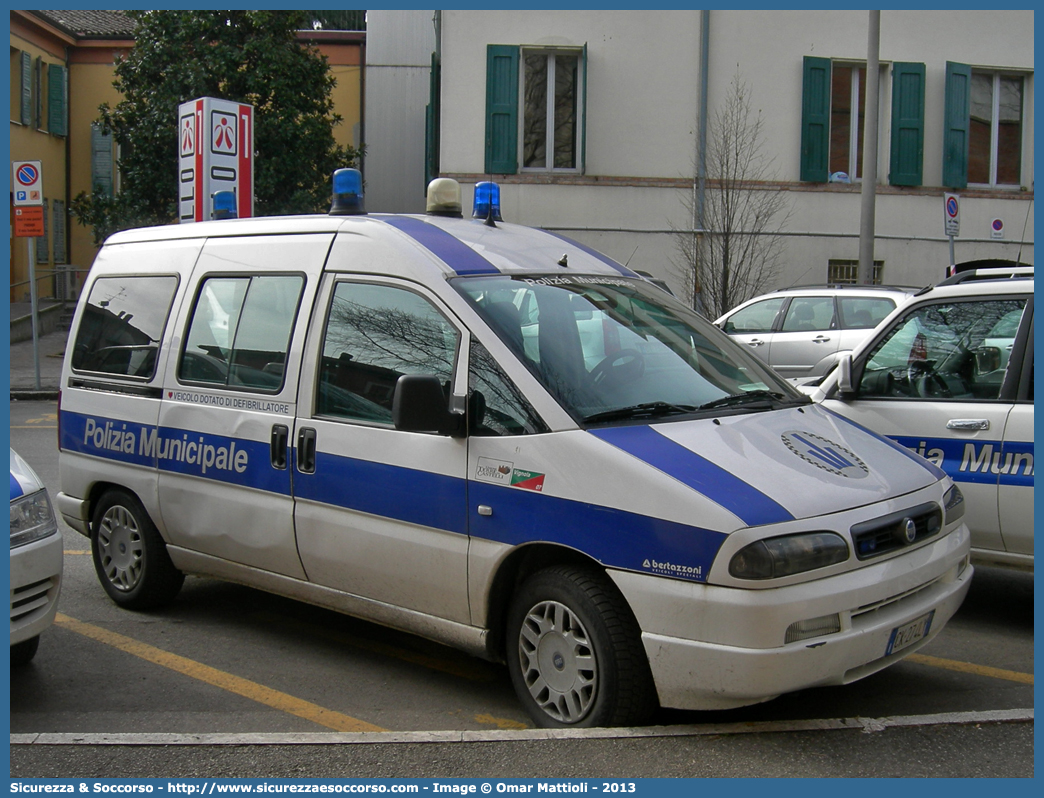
x,y
714,647
36,582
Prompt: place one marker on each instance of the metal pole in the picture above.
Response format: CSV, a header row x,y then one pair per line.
x,y
34,310
869,186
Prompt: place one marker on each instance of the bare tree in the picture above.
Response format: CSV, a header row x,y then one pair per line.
x,y
735,250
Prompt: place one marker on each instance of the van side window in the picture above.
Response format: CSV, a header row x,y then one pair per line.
x,y
375,334
495,404
122,325
240,331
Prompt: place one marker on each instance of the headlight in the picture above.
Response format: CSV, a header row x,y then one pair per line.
x,y
792,554
953,501
31,518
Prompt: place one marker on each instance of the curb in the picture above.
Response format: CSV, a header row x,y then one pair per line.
x,y
33,395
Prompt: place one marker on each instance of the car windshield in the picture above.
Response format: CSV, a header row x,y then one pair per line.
x,y
614,350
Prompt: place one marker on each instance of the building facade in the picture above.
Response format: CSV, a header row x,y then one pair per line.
x,y
591,122
62,68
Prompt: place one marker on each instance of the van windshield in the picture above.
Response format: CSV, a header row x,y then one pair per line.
x,y
616,350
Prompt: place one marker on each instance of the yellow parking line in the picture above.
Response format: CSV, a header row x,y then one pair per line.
x,y
226,681
967,667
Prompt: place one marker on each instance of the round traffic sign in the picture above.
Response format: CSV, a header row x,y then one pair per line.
x,y
951,207
27,174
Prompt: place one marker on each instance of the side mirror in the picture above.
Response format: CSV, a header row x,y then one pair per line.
x,y
844,376
419,405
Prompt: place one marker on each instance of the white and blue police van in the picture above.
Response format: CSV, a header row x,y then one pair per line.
x,y
496,438
36,561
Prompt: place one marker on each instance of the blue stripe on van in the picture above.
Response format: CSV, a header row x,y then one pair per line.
x,y
16,488
457,255
594,253
937,472
745,501
615,538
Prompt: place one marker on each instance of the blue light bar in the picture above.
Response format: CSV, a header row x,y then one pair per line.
x,y
224,205
487,202
347,193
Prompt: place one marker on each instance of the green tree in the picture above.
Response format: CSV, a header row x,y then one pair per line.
x,y
244,56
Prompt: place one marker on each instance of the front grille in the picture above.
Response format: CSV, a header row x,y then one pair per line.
x,y
886,534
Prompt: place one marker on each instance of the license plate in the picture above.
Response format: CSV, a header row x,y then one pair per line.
x,y
908,634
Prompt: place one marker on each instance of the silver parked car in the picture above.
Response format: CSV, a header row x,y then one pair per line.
x,y
795,329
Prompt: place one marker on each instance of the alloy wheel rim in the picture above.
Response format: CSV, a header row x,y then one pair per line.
x,y
558,662
121,549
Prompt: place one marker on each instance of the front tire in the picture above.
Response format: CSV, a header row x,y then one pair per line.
x,y
574,652
130,557
22,653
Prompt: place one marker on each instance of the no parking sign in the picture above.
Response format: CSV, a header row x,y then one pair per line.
x,y
952,215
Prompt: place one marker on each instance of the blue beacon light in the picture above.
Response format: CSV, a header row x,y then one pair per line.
x,y
224,205
487,202
347,193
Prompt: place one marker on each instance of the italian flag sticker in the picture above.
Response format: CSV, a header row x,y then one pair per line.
x,y
530,480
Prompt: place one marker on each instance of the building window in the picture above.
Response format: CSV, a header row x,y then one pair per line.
x,y
982,138
534,109
833,111
846,272
847,112
995,130
550,123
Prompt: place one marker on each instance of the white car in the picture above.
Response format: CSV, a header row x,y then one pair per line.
x,y
36,561
798,329
950,377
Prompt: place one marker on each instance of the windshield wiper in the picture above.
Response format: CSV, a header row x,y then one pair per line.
x,y
644,410
754,399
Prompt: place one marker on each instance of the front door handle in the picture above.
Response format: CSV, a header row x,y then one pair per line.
x,y
755,342
821,339
306,451
280,437
968,424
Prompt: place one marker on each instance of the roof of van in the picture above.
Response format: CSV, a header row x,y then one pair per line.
x,y
463,246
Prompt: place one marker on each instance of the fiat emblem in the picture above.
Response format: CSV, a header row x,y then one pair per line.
x,y
909,530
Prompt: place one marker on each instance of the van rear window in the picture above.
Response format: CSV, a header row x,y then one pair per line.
x,y
122,325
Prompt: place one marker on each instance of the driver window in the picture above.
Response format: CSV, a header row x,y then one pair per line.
x,y
949,351
375,334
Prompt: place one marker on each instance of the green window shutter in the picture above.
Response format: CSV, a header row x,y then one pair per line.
x,y
907,125
27,89
815,120
57,108
501,109
101,160
43,243
583,115
956,125
58,215
38,103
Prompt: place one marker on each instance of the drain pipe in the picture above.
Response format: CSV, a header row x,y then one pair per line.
x,y
868,194
700,184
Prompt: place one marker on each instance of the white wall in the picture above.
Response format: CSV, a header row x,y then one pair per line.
x,y
399,45
643,75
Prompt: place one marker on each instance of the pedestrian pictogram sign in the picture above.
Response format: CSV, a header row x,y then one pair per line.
x,y
28,183
216,145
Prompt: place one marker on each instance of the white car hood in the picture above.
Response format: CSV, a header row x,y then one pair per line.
x,y
776,466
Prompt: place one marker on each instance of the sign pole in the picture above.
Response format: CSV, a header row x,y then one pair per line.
x,y
31,242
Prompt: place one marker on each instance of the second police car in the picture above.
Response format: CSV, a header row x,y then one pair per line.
x,y
496,438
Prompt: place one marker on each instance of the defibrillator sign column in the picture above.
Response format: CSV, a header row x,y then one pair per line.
x,y
216,145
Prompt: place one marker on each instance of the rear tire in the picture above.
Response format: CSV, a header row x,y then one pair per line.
x,y
130,557
22,653
574,652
